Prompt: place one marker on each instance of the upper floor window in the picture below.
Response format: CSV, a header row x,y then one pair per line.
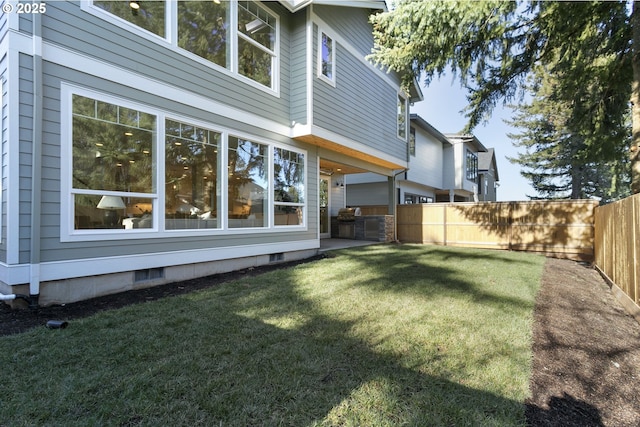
x,y
203,29
402,117
326,60
256,42
472,165
412,141
240,36
149,15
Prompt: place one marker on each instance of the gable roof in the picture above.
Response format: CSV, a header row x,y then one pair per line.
x,y
423,124
468,139
487,162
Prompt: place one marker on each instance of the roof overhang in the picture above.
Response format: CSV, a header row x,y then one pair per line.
x,y
295,5
423,124
342,149
467,139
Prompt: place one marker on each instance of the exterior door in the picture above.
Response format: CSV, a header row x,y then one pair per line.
x,y
325,220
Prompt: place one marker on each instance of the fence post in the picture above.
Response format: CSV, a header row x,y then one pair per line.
x,y
510,224
444,224
634,218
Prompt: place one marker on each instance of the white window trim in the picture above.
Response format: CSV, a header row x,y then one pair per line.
x,y
468,155
331,81
273,203
68,233
67,229
171,35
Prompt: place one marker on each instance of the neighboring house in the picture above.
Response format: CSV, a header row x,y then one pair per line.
x,y
488,179
461,177
149,142
442,168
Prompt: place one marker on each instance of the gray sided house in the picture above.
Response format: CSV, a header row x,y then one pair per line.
x,y
441,168
488,178
150,142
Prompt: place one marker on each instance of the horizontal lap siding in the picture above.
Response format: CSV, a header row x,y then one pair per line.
x,y
361,107
54,250
4,166
4,27
68,26
351,23
25,136
363,104
298,61
426,166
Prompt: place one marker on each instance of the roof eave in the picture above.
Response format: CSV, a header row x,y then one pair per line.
x,y
296,5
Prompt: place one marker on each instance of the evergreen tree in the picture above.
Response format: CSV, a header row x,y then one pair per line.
x,y
493,46
557,161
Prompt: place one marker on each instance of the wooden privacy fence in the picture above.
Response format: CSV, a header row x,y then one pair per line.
x,y
558,228
617,243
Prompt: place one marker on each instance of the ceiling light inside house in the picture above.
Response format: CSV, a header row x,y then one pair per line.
x,y
135,6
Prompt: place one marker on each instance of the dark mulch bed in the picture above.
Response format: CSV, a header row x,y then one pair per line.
x,y
586,350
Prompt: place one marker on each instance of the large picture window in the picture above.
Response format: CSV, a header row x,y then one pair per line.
x,y
240,36
113,151
289,188
141,170
248,186
192,171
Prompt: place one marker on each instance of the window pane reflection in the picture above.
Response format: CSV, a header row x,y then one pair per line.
x,y
149,15
248,184
192,195
203,28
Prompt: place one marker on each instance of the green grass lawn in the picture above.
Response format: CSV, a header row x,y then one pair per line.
x,y
382,335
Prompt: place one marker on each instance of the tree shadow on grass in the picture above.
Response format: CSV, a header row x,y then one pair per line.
x,y
431,271
563,412
253,352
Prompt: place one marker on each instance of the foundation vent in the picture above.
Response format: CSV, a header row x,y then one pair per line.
x,y
148,274
276,257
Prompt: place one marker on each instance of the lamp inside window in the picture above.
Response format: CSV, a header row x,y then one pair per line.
x,y
111,205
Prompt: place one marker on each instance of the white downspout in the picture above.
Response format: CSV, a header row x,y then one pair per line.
x,y
36,190
34,262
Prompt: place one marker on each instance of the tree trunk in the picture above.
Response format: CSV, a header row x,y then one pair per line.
x,y
635,100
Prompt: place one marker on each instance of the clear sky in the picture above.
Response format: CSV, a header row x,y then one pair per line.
x,y
443,102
